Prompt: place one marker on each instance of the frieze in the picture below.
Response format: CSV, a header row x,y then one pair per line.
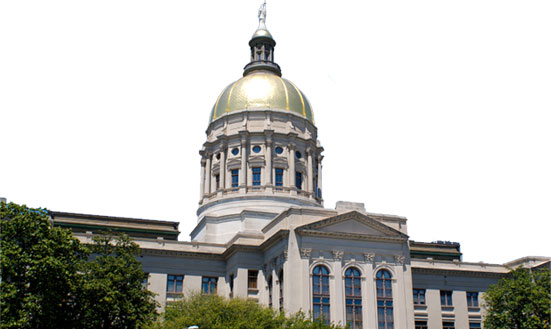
x,y
338,254
369,257
305,252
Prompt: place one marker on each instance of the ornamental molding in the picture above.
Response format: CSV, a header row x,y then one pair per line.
x,y
461,273
256,160
233,163
400,259
389,232
337,254
285,254
305,252
350,236
369,257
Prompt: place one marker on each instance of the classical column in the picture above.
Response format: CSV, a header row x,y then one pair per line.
x,y
243,173
207,174
319,175
291,161
268,156
202,185
223,167
310,169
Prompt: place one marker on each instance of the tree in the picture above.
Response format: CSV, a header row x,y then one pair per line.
x,y
39,270
522,300
48,280
216,312
112,292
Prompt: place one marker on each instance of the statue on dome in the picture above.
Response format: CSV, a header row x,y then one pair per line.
x,y
262,13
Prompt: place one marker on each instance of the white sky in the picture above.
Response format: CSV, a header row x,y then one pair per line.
x,y
434,110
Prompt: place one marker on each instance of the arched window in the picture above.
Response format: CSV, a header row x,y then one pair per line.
x,y
384,300
353,295
320,293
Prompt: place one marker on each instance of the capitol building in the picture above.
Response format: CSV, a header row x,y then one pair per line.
x,y
263,232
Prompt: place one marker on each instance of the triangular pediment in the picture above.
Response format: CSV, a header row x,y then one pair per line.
x,y
353,225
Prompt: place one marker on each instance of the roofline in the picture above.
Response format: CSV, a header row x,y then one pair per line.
x,y
53,214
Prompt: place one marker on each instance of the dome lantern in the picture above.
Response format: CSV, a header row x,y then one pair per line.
x,y
262,48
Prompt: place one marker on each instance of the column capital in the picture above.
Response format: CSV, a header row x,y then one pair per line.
x,y
292,137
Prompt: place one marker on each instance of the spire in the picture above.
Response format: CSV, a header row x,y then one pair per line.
x,y
262,47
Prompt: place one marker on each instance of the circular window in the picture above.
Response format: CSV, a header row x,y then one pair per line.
x,y
218,156
256,149
235,151
279,150
298,154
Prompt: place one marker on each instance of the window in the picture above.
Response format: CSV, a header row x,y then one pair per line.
x,y
217,179
252,279
385,316
270,292
446,298
231,285
298,154
174,284
353,293
475,325
209,285
472,299
448,325
256,149
278,177
298,180
280,279
421,325
320,296
235,151
145,279
235,178
419,296
256,176
279,150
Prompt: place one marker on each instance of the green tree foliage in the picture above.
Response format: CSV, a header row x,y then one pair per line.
x,y
216,312
520,301
39,267
47,280
112,291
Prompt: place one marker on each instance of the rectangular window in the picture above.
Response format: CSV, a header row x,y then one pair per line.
x,y
446,298
174,283
144,281
298,180
448,325
235,178
475,325
472,299
231,285
208,285
217,180
419,296
278,177
252,279
280,279
256,176
421,325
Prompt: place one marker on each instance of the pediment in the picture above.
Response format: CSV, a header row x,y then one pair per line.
x,y
352,225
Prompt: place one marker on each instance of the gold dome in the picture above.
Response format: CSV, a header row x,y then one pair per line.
x,y
262,90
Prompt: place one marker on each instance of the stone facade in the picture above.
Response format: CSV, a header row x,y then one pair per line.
x,y
263,233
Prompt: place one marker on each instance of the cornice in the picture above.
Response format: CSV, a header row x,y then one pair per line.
x,y
365,219
469,273
351,236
